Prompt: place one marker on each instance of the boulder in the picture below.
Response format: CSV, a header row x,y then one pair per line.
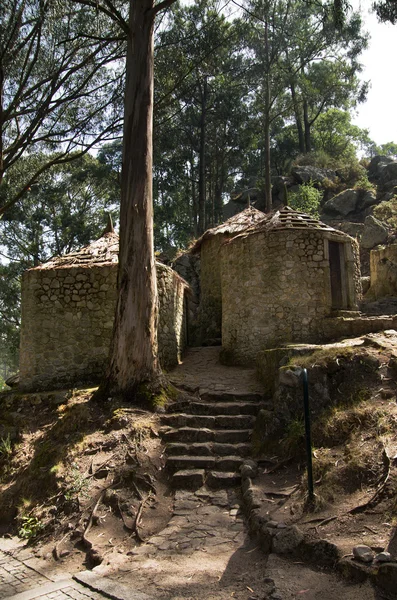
x,y
388,174
279,181
306,173
342,204
374,233
287,540
377,165
366,199
363,553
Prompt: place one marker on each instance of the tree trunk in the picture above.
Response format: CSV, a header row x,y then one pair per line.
x,y
133,351
268,181
202,183
298,119
308,141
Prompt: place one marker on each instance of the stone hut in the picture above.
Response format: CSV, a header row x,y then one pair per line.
x,y
208,245
280,279
68,306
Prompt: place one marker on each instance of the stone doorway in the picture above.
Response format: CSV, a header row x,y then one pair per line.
x,y
338,275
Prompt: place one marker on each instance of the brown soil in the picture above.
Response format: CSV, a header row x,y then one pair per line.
x,y
67,454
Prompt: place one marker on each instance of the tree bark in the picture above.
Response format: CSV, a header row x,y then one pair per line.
x,y
298,119
308,142
268,182
133,351
203,131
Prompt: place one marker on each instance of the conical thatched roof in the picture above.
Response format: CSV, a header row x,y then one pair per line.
x,y
102,251
288,218
233,226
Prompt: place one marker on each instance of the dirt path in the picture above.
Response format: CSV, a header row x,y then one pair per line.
x,y
205,553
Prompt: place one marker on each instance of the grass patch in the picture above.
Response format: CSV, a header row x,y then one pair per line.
x,y
321,358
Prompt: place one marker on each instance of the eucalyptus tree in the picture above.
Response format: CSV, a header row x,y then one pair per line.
x,y
206,96
323,65
303,64
386,10
59,77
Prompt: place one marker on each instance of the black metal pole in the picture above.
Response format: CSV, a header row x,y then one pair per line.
x,y
308,435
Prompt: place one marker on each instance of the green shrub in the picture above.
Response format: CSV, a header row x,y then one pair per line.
x,y
306,200
319,158
387,212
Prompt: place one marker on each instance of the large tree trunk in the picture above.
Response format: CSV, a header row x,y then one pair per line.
x,y
133,351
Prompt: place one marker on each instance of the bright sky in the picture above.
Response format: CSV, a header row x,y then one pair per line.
x,y
379,112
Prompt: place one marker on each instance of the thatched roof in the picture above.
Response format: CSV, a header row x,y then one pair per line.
x,y
233,226
102,251
288,218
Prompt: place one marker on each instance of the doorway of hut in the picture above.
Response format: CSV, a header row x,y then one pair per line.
x,y
338,275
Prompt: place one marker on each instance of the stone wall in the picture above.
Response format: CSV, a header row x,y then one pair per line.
x,y
210,310
383,272
67,321
276,289
172,329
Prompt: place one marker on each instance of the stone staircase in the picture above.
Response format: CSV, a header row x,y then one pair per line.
x,y
207,438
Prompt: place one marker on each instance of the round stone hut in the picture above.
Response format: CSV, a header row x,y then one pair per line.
x,y
280,279
68,307
208,245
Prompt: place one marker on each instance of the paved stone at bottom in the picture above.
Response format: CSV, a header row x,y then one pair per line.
x,y
15,577
20,582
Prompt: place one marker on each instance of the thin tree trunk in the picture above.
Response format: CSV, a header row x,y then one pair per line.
x,y
194,198
202,183
308,142
1,122
133,352
268,183
298,119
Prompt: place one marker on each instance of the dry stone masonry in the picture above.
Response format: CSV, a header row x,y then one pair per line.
x,y
68,306
209,245
280,281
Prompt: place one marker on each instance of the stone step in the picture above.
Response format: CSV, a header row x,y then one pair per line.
x,y
223,463
225,396
194,434
208,449
217,408
209,421
189,479
217,480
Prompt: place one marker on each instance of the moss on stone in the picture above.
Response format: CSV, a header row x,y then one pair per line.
x,y
155,398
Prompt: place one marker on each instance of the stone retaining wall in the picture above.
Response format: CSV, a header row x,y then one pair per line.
x,y
276,289
67,321
383,272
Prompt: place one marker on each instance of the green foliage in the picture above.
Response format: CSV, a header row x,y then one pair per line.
x,y
307,199
60,86
387,212
363,182
337,137
77,484
30,527
5,446
386,10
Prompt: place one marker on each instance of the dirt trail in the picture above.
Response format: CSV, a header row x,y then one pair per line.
x,y
205,553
